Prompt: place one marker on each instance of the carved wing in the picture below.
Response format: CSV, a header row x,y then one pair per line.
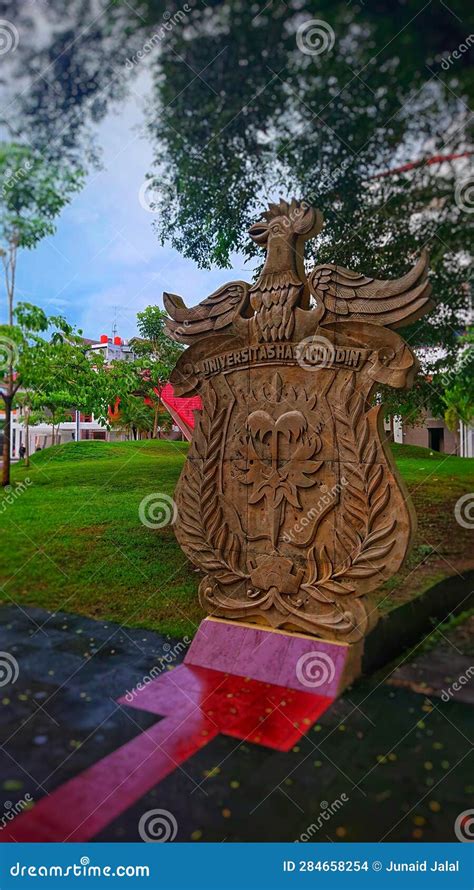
x,y
214,314
351,295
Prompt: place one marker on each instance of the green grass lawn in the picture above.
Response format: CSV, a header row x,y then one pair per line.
x,y
72,539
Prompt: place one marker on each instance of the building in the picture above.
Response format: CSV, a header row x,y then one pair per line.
x,y
81,427
433,433
112,349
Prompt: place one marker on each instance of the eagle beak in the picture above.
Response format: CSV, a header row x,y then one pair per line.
x,y
259,233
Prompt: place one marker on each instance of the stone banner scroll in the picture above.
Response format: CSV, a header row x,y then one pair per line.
x,y
289,501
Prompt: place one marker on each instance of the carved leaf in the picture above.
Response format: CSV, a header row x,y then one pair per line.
x,y
380,533
208,538
364,541
361,571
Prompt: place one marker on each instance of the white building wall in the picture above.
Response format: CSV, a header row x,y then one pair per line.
x,y
41,435
398,429
466,440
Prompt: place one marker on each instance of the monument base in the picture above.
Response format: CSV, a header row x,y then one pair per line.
x,y
262,686
294,660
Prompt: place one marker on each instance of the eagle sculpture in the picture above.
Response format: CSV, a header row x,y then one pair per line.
x,y
283,291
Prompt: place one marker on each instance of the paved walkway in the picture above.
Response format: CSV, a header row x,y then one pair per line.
x,y
389,761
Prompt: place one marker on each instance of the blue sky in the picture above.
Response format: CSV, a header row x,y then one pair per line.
x,y
105,260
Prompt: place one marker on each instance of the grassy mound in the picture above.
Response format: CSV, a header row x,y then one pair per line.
x,y
72,538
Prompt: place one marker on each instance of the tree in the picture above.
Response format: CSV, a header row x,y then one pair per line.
x,y
134,415
458,396
29,417
135,386
155,342
338,126
49,371
323,111
33,194
320,114
53,409
157,355
18,341
125,405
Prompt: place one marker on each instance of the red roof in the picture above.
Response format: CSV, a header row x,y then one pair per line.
x,y
181,409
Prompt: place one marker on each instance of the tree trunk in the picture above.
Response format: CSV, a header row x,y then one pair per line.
x,y
27,437
7,433
155,421
9,265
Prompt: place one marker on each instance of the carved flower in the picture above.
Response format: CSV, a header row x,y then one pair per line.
x,y
260,468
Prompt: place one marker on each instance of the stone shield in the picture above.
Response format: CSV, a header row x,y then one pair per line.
x,y
289,502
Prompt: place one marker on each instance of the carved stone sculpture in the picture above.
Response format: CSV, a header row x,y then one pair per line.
x,y
289,501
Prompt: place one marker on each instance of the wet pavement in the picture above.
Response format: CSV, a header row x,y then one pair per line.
x,y
391,760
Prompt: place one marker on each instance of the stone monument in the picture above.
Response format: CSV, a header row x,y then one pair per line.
x,y
289,501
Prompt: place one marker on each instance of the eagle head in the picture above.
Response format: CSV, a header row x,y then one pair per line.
x,y
288,221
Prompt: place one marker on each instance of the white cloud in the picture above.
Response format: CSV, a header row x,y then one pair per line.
x,y
105,253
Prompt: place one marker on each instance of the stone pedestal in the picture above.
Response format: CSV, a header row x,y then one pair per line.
x,y
293,660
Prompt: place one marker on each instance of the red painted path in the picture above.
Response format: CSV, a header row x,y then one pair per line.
x,y
197,703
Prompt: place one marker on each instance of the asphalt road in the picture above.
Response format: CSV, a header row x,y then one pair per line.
x,y
390,760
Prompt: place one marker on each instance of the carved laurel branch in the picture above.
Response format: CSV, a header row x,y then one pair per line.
x,y
207,538
365,540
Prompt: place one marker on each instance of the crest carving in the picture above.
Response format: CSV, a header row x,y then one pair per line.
x,y
289,501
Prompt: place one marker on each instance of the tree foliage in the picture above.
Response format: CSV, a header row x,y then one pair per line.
x,y
33,193
134,416
142,380
243,109
154,346
49,372
458,395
